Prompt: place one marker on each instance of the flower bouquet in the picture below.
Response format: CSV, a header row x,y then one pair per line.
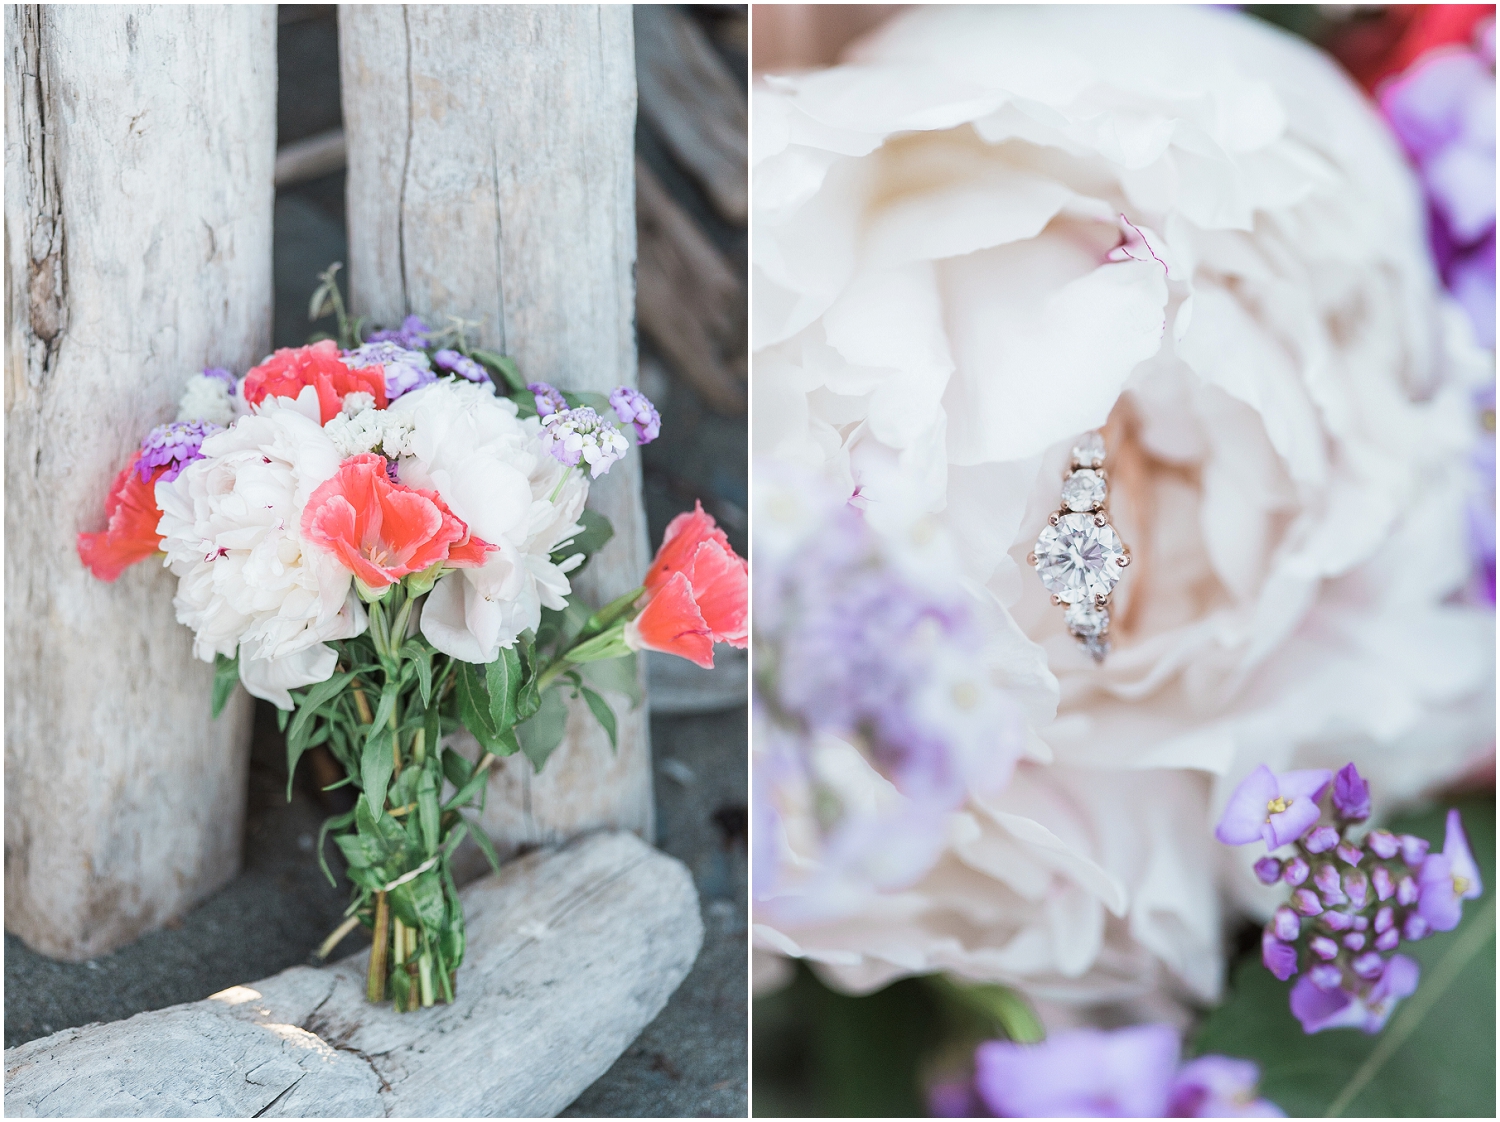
x,y
377,537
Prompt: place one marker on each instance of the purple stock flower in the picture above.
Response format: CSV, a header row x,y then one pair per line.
x,y
635,408
1280,958
410,335
548,398
573,435
1218,1087
460,364
1268,870
1086,1073
1297,871
1351,794
1383,844
1320,1008
174,445
1321,839
405,370
1273,808
1447,879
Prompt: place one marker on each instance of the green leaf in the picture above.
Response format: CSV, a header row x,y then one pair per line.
x,y
314,699
421,657
618,675
602,713
611,644
336,823
1436,1056
503,365
482,840
427,809
595,535
503,680
470,787
375,767
543,731
456,768
226,677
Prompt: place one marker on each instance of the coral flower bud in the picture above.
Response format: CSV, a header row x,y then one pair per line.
x,y
1385,884
1306,902
1296,872
1268,870
1324,947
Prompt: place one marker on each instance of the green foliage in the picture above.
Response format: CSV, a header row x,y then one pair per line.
x,y
1436,1056
226,677
543,731
509,374
596,533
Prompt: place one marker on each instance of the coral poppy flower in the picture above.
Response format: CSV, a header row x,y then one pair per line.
x,y
382,531
131,535
699,593
287,371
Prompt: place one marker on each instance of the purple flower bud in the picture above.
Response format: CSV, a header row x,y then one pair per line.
x,y
1326,977
1388,940
1337,921
1355,941
1385,884
1320,839
635,408
1285,924
222,375
1349,854
1324,947
1383,844
1268,870
1415,928
1361,923
1279,958
1356,887
1327,879
457,363
411,334
548,399
1385,919
1406,892
1369,966
1305,901
1413,851
1296,871
1351,795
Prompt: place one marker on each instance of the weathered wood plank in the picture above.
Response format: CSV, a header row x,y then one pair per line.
x,y
139,144
697,105
691,302
571,953
491,177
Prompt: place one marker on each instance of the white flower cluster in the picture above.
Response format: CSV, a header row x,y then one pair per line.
x,y
207,398
363,428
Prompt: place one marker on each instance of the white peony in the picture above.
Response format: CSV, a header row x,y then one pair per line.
x,y
247,582
489,467
999,227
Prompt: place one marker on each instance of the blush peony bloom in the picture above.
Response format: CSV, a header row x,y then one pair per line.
x,y
248,581
131,534
381,531
317,370
698,593
489,467
995,228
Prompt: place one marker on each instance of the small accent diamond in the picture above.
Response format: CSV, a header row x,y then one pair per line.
x,y
1084,619
1083,490
1088,451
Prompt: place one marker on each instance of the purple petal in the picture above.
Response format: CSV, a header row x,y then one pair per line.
x,y
1439,903
1080,1074
1218,1087
1351,794
1296,871
1461,858
1245,812
1279,958
1383,844
1292,822
1304,784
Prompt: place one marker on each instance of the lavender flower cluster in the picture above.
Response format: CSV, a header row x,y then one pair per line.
x,y
1355,895
571,435
173,446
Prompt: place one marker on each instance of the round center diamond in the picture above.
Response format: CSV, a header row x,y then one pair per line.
x,y
1078,560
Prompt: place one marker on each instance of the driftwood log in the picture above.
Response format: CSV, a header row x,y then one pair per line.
x,y
571,953
491,177
139,144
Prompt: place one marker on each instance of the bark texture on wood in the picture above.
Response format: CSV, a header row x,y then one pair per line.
x,y
697,105
692,304
571,953
506,197
139,144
